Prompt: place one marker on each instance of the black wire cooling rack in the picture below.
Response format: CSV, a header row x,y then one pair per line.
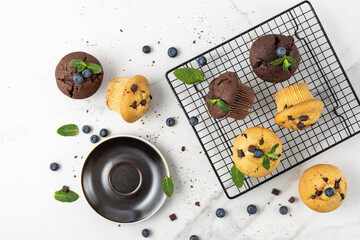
x,y
319,67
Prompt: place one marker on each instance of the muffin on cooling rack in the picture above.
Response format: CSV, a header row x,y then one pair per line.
x,y
297,108
228,97
323,187
257,152
274,58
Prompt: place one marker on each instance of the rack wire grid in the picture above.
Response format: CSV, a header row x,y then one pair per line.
x,y
319,67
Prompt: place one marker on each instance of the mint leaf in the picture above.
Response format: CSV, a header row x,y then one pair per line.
x,y
69,196
81,68
167,186
291,60
273,149
94,68
189,75
212,101
68,130
237,177
286,64
76,63
266,162
222,105
278,61
272,155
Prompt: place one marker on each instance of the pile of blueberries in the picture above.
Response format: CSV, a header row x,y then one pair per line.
x,y
79,77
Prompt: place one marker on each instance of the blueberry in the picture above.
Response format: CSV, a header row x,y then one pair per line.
x,y
54,166
329,192
172,52
78,78
251,209
145,232
86,73
220,213
170,122
194,237
280,51
258,153
104,132
193,121
146,49
86,129
283,210
201,61
94,139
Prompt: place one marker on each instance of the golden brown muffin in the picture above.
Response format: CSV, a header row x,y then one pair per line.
x,y
129,96
318,183
245,146
297,108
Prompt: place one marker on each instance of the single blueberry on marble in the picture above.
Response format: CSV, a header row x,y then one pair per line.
x,y
145,233
172,52
94,139
146,49
104,132
193,121
220,213
251,209
193,237
170,122
86,129
54,166
283,210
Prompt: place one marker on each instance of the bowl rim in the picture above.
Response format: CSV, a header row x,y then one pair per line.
x,y
150,145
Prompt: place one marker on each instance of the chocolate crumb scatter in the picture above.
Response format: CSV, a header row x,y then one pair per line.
x,y
252,148
173,217
275,191
291,200
241,153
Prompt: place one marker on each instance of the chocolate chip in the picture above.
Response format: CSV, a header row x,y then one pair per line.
x,y
241,153
291,200
313,197
318,193
286,106
290,117
173,217
143,102
300,125
304,118
65,189
261,142
133,105
150,97
342,196
275,191
244,134
325,179
337,185
134,88
197,204
251,148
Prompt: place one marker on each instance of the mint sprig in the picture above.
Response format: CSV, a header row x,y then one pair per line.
x,y
167,186
69,196
68,130
237,177
81,65
285,61
223,106
268,155
189,75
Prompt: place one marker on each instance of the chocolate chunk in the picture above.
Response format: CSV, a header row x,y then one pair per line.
x,y
197,204
244,134
261,142
300,125
65,189
252,148
313,197
143,102
241,153
291,200
337,184
304,118
150,97
173,217
133,105
275,191
290,117
318,193
183,148
134,88
325,179
286,106
342,196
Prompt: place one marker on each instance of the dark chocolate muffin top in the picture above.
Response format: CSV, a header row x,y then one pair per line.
x,y
64,77
263,51
224,87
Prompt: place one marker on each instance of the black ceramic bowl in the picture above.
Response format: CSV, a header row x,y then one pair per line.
x,y
121,179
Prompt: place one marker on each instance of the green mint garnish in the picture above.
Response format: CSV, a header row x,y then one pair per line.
x,y
271,154
189,75
68,130
167,186
237,177
81,65
286,62
69,196
223,106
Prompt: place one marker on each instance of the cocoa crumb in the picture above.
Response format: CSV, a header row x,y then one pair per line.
x,y
121,30
183,148
197,204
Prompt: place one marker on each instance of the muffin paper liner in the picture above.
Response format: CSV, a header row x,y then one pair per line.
x,y
292,95
243,102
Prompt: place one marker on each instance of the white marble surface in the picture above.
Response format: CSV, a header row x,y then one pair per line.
x,y
36,34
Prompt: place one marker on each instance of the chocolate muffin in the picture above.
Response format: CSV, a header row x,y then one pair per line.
x,y
228,89
263,51
64,77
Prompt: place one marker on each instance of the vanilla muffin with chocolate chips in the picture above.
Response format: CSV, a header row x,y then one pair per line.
x,y
129,96
323,187
257,152
297,108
